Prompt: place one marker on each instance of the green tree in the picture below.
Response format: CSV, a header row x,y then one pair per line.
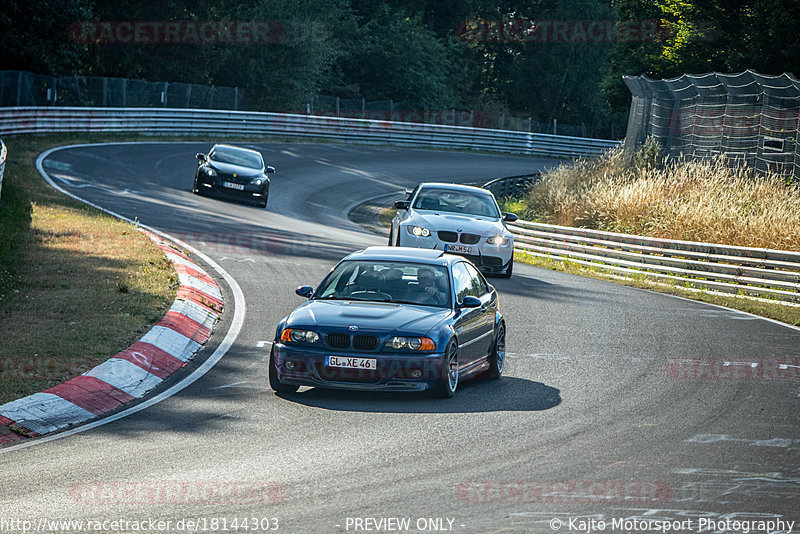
x,y
277,76
34,36
393,56
706,35
538,60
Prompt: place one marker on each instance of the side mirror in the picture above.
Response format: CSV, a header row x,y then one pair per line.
x,y
509,217
200,156
269,170
471,302
305,291
402,204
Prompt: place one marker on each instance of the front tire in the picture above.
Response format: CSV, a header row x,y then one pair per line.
x,y
274,381
448,382
497,356
391,235
264,204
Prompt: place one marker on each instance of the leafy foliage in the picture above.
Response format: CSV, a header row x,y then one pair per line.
x,y
706,35
419,51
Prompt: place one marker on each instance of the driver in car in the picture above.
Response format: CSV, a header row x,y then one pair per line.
x,y
427,283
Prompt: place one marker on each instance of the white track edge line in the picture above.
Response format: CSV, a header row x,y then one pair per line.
x,y
230,337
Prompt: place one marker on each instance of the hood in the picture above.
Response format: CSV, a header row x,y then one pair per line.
x,y
454,222
371,317
228,168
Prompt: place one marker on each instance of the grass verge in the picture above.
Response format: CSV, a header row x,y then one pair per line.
x,y
705,201
76,285
689,200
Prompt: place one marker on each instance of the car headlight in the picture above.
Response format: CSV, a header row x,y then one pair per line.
x,y
257,181
498,240
296,335
418,231
210,171
412,343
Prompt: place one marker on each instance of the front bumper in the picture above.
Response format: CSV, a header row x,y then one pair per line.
x,y
395,371
488,258
215,185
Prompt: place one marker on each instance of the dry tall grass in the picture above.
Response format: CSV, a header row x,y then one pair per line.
x,y
697,201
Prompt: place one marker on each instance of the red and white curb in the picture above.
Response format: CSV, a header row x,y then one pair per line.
x,y
130,374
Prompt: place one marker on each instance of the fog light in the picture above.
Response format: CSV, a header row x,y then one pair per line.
x,y
416,373
290,365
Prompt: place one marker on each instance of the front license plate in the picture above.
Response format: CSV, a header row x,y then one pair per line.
x,y
238,187
458,249
351,363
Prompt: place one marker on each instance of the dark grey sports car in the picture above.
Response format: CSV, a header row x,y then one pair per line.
x,y
233,171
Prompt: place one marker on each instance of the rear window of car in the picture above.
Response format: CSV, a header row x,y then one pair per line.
x,y
451,201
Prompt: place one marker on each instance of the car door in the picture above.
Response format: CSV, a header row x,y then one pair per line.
x,y
469,323
482,290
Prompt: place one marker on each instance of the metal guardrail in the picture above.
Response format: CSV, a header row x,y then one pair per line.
x,y
759,272
3,155
512,186
26,120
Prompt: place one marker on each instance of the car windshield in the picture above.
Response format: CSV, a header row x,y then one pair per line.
x,y
236,157
387,281
464,202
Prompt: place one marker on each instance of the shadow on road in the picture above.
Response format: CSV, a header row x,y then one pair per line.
x,y
506,395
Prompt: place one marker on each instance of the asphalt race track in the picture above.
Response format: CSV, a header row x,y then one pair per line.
x,y
587,424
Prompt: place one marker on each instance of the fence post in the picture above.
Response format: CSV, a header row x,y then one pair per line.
x,y
235,98
555,127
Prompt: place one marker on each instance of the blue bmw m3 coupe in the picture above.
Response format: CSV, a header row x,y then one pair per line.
x,y
391,318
